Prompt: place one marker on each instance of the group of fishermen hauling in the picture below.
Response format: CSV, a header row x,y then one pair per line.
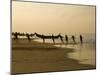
x,y
29,36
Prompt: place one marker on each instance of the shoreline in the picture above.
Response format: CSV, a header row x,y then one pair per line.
x,y
40,57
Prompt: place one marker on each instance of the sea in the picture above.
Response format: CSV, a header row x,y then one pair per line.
x,y
85,53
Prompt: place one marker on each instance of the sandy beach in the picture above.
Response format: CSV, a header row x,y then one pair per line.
x,y
38,57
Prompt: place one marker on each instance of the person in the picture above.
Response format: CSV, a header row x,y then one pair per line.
x,y
53,39
81,39
16,35
43,38
28,37
73,37
66,38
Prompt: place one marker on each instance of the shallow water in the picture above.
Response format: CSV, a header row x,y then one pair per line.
x,y
85,53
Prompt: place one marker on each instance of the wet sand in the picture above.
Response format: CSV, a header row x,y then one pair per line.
x,y
38,57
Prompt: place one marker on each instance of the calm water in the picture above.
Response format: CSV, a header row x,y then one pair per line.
x,y
85,52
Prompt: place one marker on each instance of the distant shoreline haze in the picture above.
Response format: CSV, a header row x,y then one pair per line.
x,y
48,18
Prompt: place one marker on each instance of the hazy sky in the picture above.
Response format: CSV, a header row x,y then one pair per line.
x,y
52,18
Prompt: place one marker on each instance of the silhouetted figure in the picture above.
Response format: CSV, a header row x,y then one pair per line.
x,y
73,37
16,35
53,39
43,38
66,38
81,39
28,37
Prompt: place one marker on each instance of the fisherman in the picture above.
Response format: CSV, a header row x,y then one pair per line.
x,y
16,35
28,37
43,38
81,39
73,37
53,39
66,38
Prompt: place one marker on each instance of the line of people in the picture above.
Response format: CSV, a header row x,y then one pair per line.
x,y
16,34
73,38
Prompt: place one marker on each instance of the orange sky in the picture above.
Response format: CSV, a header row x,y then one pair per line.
x,y
52,18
